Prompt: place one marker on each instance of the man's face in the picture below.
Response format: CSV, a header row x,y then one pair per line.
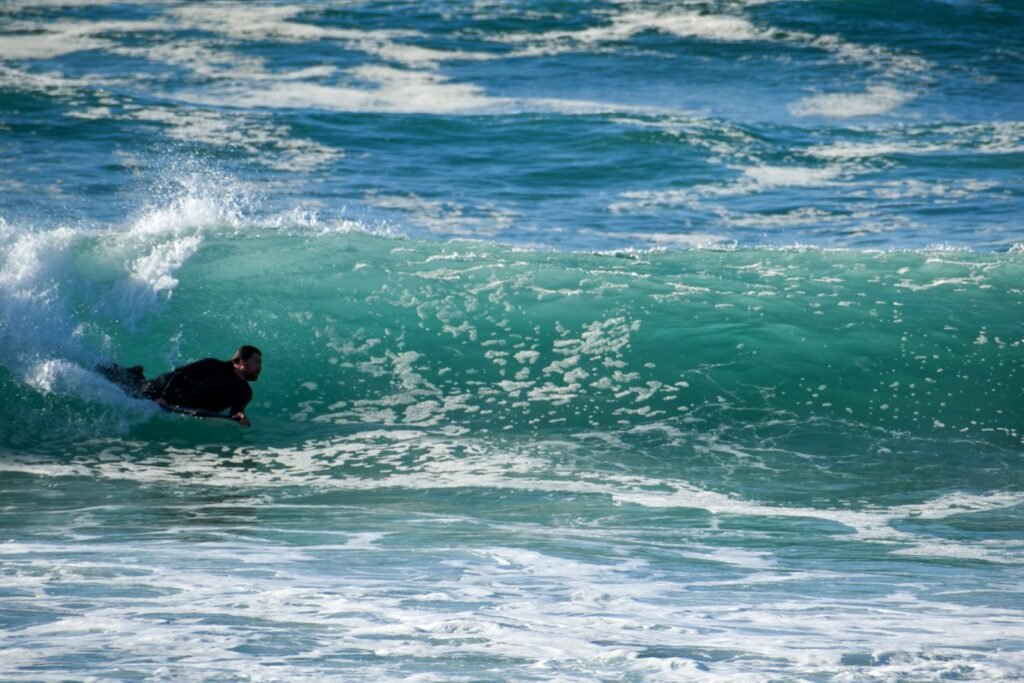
x,y
250,369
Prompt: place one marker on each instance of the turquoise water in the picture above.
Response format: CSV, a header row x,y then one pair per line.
x,y
602,341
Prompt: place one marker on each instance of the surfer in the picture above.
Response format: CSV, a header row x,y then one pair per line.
x,y
204,388
210,385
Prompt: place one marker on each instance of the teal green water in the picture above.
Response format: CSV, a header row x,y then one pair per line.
x,y
363,328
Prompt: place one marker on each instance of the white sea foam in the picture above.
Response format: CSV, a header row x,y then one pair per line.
x,y
445,217
935,192
716,27
126,272
53,85
414,86
204,59
43,342
35,320
405,76
695,240
463,466
244,21
770,177
575,597
884,60
753,179
1004,137
846,150
804,216
732,27
372,89
152,278
626,25
62,3
47,46
272,145
561,601
49,40
71,379
874,101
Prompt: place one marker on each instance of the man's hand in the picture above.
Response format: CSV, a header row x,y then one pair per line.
x,y
241,419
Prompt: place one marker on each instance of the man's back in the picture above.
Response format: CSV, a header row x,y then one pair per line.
x,y
208,384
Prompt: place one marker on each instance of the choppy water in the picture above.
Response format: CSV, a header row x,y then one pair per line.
x,y
602,340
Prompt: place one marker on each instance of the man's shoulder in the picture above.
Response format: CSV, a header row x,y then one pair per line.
x,y
212,362
208,365
201,361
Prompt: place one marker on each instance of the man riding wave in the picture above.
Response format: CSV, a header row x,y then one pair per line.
x,y
209,385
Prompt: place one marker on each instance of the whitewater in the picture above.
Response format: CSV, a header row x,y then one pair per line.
x,y
602,341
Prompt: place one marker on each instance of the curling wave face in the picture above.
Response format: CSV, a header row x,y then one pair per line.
x,y
366,329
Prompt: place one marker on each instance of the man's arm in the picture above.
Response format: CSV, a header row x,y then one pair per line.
x,y
238,406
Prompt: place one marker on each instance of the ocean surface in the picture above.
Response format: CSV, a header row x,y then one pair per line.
x,y
603,340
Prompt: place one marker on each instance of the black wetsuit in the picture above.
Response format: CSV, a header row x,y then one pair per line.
x,y
208,384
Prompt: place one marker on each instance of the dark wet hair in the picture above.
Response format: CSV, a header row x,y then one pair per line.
x,y
245,352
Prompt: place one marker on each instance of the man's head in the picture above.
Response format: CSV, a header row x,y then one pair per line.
x,y
248,361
